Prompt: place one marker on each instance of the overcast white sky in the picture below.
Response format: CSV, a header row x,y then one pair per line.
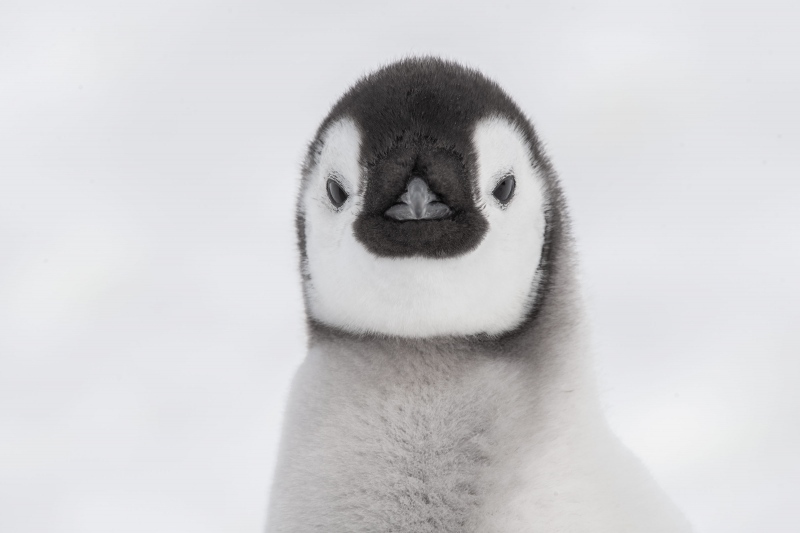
x,y
150,314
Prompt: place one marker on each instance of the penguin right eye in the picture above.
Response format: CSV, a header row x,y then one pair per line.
x,y
505,189
336,194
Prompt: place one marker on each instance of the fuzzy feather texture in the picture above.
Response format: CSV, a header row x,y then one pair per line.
x,y
446,392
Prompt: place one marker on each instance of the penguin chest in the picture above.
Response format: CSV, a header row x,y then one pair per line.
x,y
402,448
413,444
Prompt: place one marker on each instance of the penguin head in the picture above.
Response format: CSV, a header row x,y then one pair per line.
x,y
423,209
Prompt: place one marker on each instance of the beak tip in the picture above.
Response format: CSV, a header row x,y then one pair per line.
x,y
418,202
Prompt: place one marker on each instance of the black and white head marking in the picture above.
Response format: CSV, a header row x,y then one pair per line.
x,y
423,207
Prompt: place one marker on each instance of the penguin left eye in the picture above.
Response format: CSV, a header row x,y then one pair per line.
x,y
505,189
336,194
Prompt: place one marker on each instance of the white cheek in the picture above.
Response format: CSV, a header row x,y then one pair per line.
x,y
488,290
339,157
502,149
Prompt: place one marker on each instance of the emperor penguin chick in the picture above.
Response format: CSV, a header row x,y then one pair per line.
x,y
447,386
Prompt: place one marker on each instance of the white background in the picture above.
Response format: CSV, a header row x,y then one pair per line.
x,y
150,313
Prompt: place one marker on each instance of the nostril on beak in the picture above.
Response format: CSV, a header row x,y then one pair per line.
x,y
418,203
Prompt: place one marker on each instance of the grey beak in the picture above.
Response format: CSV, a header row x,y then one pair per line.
x,y
418,203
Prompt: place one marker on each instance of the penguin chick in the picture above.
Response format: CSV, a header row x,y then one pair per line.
x,y
447,386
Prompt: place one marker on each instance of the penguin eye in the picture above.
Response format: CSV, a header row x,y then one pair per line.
x,y
505,189
336,194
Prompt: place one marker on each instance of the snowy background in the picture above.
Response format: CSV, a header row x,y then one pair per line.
x,y
150,313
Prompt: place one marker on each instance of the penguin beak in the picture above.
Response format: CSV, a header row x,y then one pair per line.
x,y
418,203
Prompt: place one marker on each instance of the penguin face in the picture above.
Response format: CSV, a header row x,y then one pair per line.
x,y
427,224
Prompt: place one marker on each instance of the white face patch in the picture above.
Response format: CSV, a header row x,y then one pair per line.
x,y
487,290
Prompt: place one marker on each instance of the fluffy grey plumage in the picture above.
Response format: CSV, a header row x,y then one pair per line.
x,y
478,414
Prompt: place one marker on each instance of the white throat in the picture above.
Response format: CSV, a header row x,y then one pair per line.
x,y
487,290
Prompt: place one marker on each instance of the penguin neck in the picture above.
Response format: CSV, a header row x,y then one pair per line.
x,y
548,352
